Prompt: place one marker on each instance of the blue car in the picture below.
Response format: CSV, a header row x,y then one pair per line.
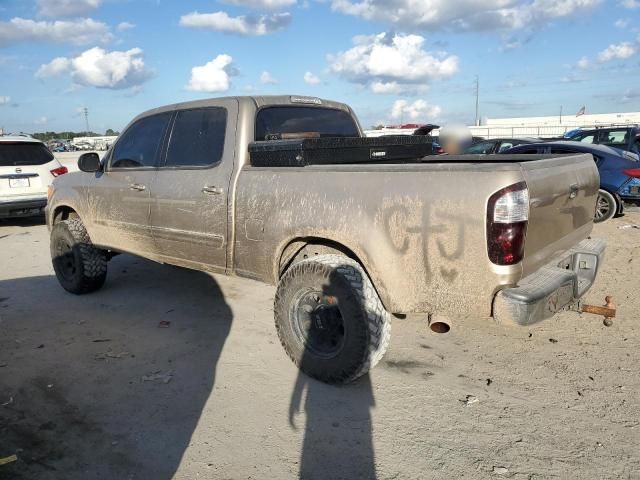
x,y
619,173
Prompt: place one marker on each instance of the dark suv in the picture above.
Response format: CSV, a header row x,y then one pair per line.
x,y
624,138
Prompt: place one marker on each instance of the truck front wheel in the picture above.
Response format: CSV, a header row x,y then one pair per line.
x,y
330,319
80,267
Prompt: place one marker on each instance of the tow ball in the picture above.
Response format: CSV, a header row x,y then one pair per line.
x,y
608,310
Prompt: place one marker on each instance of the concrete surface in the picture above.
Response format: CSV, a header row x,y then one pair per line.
x,y
92,388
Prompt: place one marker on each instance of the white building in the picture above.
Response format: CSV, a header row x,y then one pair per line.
x,y
542,127
586,120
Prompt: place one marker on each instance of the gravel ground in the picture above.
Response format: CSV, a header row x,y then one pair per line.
x,y
94,387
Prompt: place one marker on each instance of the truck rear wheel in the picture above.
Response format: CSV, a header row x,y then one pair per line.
x,y
330,319
79,266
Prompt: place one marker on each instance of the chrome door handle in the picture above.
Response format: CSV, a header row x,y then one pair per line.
x,y
138,187
210,189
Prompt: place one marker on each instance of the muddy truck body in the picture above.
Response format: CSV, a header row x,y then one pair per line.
x,y
286,190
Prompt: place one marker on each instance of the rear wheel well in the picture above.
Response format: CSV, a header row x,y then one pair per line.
x,y
64,213
302,248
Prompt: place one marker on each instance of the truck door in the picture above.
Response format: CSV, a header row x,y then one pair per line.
x,y
119,197
189,201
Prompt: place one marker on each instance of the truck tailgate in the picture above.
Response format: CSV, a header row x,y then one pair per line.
x,y
562,193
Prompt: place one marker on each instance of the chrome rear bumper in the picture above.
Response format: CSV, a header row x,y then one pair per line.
x,y
556,286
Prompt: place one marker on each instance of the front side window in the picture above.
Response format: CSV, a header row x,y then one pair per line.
x,y
587,139
198,137
140,145
311,122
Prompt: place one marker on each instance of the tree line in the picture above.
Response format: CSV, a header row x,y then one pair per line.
x,y
44,136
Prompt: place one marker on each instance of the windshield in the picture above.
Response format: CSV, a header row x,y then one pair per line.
x,y
275,123
23,153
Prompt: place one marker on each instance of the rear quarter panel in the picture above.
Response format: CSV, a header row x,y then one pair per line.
x,y
418,230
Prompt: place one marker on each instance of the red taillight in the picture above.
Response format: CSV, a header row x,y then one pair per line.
x,y
632,172
56,172
507,221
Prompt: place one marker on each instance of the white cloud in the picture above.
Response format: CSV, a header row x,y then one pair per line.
x,y
101,69
5,100
618,51
79,32
621,23
395,62
122,26
41,121
583,63
214,76
242,25
267,79
464,14
312,79
385,87
55,67
418,111
630,4
262,4
66,8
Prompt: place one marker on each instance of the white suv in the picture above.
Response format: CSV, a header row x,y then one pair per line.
x,y
27,168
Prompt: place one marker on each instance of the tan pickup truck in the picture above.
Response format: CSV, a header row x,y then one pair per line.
x,y
265,188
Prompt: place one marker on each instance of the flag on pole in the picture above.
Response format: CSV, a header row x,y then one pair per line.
x,y
581,111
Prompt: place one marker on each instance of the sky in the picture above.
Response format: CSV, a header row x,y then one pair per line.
x,y
393,61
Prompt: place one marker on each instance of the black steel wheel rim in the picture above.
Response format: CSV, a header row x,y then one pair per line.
x,y
65,259
318,323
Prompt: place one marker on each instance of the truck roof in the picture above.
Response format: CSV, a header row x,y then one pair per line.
x,y
258,101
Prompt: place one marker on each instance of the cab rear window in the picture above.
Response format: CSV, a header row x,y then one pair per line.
x,y
274,123
23,153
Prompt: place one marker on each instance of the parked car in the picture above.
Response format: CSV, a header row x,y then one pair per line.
x,y
83,146
286,190
624,138
497,145
571,134
27,168
617,170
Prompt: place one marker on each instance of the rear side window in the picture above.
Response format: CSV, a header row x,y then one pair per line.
x,y
280,122
615,138
24,153
529,151
140,145
197,139
480,148
506,146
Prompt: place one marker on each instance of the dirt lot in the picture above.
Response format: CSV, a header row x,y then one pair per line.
x,y
92,388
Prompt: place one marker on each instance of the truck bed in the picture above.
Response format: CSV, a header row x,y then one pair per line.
x,y
418,227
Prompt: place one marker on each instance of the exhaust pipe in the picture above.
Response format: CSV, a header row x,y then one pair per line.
x,y
439,324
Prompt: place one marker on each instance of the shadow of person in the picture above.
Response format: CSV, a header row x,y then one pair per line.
x,y
93,387
338,436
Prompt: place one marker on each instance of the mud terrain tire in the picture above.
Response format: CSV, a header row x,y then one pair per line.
x,y
330,319
79,266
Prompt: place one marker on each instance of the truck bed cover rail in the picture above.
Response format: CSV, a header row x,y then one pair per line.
x,y
339,150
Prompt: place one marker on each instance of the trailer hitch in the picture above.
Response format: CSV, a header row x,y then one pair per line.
x,y
608,310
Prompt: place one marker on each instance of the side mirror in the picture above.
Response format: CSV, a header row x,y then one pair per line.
x,y
89,162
